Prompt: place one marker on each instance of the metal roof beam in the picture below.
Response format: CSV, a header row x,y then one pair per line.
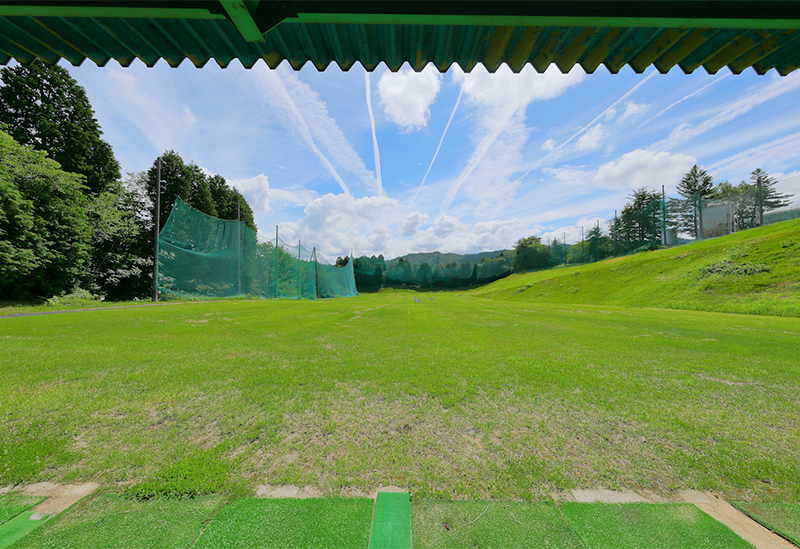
x,y
239,14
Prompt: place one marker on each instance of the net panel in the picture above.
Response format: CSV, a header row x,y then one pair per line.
x,y
204,257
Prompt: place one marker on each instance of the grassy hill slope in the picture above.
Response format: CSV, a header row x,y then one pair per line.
x,y
754,272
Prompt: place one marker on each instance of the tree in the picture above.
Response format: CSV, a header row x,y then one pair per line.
x,y
44,107
175,182
44,233
770,198
695,182
199,194
122,241
696,185
639,221
530,253
227,198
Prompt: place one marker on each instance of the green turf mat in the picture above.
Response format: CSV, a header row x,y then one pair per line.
x,y
13,504
114,521
648,525
295,523
500,524
391,521
18,527
783,518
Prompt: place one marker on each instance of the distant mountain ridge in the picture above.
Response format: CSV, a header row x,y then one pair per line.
x,y
439,258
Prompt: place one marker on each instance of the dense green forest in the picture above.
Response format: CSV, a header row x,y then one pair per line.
x,y
69,223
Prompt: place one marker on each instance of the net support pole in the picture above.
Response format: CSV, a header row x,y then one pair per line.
x,y
663,217
239,237
699,216
298,268
156,223
316,272
276,262
760,199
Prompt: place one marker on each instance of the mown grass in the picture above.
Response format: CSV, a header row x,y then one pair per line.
x,y
645,525
753,272
296,523
456,397
110,520
508,524
14,503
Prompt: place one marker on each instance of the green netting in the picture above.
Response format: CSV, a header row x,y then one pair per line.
x,y
201,256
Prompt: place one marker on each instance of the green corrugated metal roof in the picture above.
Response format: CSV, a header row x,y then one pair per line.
x,y
614,33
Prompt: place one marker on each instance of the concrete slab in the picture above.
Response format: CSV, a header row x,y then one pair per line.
x,y
287,491
606,496
745,527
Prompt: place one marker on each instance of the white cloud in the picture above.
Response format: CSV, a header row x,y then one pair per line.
x,y
632,110
406,96
335,223
188,117
445,225
590,140
549,145
504,87
641,168
501,99
263,199
412,223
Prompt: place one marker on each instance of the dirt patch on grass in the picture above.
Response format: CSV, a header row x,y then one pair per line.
x,y
59,496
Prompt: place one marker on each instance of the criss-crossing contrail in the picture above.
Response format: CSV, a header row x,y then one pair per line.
x,y
662,111
576,134
375,150
439,146
305,131
500,123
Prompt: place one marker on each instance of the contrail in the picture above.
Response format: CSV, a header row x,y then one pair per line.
x,y
439,146
305,132
479,154
381,192
579,132
681,101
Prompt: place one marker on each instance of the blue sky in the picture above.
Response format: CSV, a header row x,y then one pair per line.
x,y
405,162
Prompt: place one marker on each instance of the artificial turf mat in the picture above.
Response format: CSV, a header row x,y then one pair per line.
x,y
115,521
783,518
296,523
391,521
485,524
18,527
648,525
12,504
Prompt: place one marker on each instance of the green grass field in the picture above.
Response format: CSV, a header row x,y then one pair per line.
x,y
456,397
753,272
110,520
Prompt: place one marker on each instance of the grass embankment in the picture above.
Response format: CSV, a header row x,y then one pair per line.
x,y
453,397
754,272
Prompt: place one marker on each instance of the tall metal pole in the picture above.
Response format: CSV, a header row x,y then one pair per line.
x,y
565,248
663,217
276,262
298,268
156,223
239,236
